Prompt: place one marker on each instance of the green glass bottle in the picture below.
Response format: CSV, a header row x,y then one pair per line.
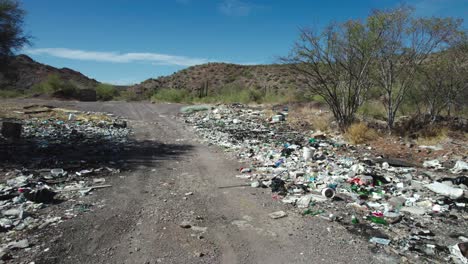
x,y
378,220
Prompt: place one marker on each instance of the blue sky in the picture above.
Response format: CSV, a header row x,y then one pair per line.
x,y
125,41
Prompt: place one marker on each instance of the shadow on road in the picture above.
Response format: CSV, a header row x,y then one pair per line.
x,y
79,154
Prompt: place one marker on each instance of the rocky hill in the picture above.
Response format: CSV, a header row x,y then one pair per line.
x,y
23,73
213,76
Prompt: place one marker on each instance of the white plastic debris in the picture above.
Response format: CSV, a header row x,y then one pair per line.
x,y
457,255
379,240
357,168
24,243
277,118
57,172
459,167
435,164
304,201
444,189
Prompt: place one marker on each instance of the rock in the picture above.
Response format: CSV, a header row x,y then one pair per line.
x,y
40,195
11,129
120,124
199,229
185,224
278,214
413,210
24,243
255,184
444,189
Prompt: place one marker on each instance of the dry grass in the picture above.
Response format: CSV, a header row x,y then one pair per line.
x,y
432,135
359,133
307,117
321,122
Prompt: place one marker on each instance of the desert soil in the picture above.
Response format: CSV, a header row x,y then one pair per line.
x,y
177,179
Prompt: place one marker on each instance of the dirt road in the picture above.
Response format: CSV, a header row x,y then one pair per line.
x,y
177,179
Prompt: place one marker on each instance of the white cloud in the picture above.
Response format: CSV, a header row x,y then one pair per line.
x,y
235,8
156,58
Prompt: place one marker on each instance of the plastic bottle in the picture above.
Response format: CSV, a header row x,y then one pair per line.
x,y
311,212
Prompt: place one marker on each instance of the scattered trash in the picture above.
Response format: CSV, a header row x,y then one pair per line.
x,y
323,176
57,172
43,195
194,108
459,253
435,164
381,241
36,178
328,192
460,167
446,190
18,244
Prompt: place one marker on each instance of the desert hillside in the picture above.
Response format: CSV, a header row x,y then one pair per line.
x,y
213,76
24,72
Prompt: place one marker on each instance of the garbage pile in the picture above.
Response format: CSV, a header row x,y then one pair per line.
x,y
416,212
53,161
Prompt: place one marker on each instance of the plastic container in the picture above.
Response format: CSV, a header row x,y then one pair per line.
x,y
307,154
328,192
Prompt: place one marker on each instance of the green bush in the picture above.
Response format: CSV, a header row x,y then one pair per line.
x,y
318,98
172,95
10,93
50,85
230,93
374,109
106,92
69,89
128,95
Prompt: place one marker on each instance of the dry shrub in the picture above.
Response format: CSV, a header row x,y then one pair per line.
x,y
359,133
432,135
268,113
321,122
307,117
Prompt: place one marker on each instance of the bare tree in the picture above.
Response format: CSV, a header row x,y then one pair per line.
x,y
336,64
405,44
